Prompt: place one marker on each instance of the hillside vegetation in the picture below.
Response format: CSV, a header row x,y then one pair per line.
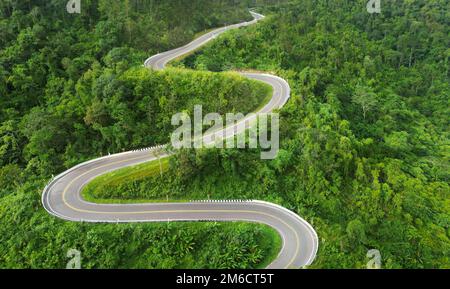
x,y
365,136
72,88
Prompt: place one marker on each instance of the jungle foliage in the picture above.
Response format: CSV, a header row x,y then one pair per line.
x,y
72,88
365,136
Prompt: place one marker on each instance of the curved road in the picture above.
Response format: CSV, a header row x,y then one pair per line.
x,y
62,196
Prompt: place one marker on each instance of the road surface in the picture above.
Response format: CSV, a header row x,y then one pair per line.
x,y
62,196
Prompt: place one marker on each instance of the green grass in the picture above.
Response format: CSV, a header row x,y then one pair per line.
x,y
266,99
92,192
270,244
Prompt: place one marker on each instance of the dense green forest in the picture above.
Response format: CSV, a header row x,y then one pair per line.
x,y
364,138
72,87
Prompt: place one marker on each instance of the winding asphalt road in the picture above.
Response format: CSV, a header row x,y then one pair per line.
x,y
62,196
